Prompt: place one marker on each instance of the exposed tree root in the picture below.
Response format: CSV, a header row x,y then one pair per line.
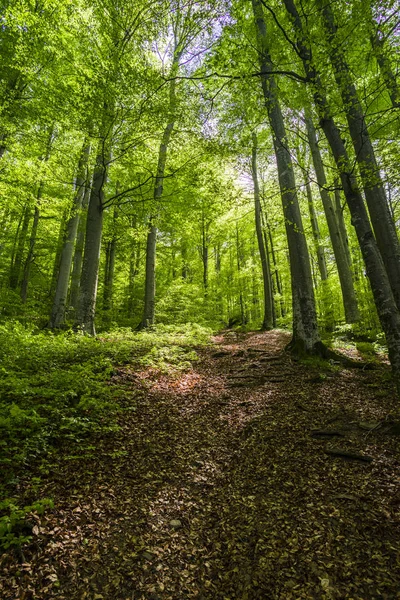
x,y
298,349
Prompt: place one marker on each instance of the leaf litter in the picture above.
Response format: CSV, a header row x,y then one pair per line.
x,y
212,490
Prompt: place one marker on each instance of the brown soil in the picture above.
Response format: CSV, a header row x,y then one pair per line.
x,y
218,486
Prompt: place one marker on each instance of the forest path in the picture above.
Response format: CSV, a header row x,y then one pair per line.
x,y
217,486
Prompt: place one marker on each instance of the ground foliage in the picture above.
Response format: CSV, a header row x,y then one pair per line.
x,y
217,484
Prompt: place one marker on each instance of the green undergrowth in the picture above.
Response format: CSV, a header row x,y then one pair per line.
x,y
56,387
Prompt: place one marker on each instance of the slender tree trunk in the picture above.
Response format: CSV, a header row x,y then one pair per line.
x,y
57,258
305,329
382,57
65,262
31,249
94,227
319,249
19,253
134,265
3,147
378,207
384,300
351,311
269,243
386,70
217,253
150,281
79,247
239,269
268,319
204,252
35,224
15,239
184,260
341,223
108,292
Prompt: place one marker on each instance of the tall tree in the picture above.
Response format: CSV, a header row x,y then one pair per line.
x,y
374,190
36,215
380,285
150,282
94,228
305,329
268,318
352,314
64,269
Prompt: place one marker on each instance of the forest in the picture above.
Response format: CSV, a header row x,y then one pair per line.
x,y
199,299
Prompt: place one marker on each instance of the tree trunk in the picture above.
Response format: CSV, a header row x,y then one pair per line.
x,y
305,329
108,291
319,249
65,262
381,289
31,250
94,227
339,210
150,281
382,57
17,262
60,297
4,229
268,319
217,253
79,247
239,268
385,67
204,252
378,207
60,243
185,268
134,265
35,224
351,312
269,243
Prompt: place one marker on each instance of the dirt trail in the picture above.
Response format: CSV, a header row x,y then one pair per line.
x,y
218,487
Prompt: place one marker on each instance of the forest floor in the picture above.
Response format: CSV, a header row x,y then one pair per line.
x,y
219,485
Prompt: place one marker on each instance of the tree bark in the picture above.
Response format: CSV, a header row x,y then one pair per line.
x,y
150,277
350,305
94,227
79,247
339,210
319,249
19,253
375,195
35,224
269,243
204,251
382,57
108,291
380,285
57,316
268,318
134,265
185,267
57,258
31,250
306,338
150,281
243,318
